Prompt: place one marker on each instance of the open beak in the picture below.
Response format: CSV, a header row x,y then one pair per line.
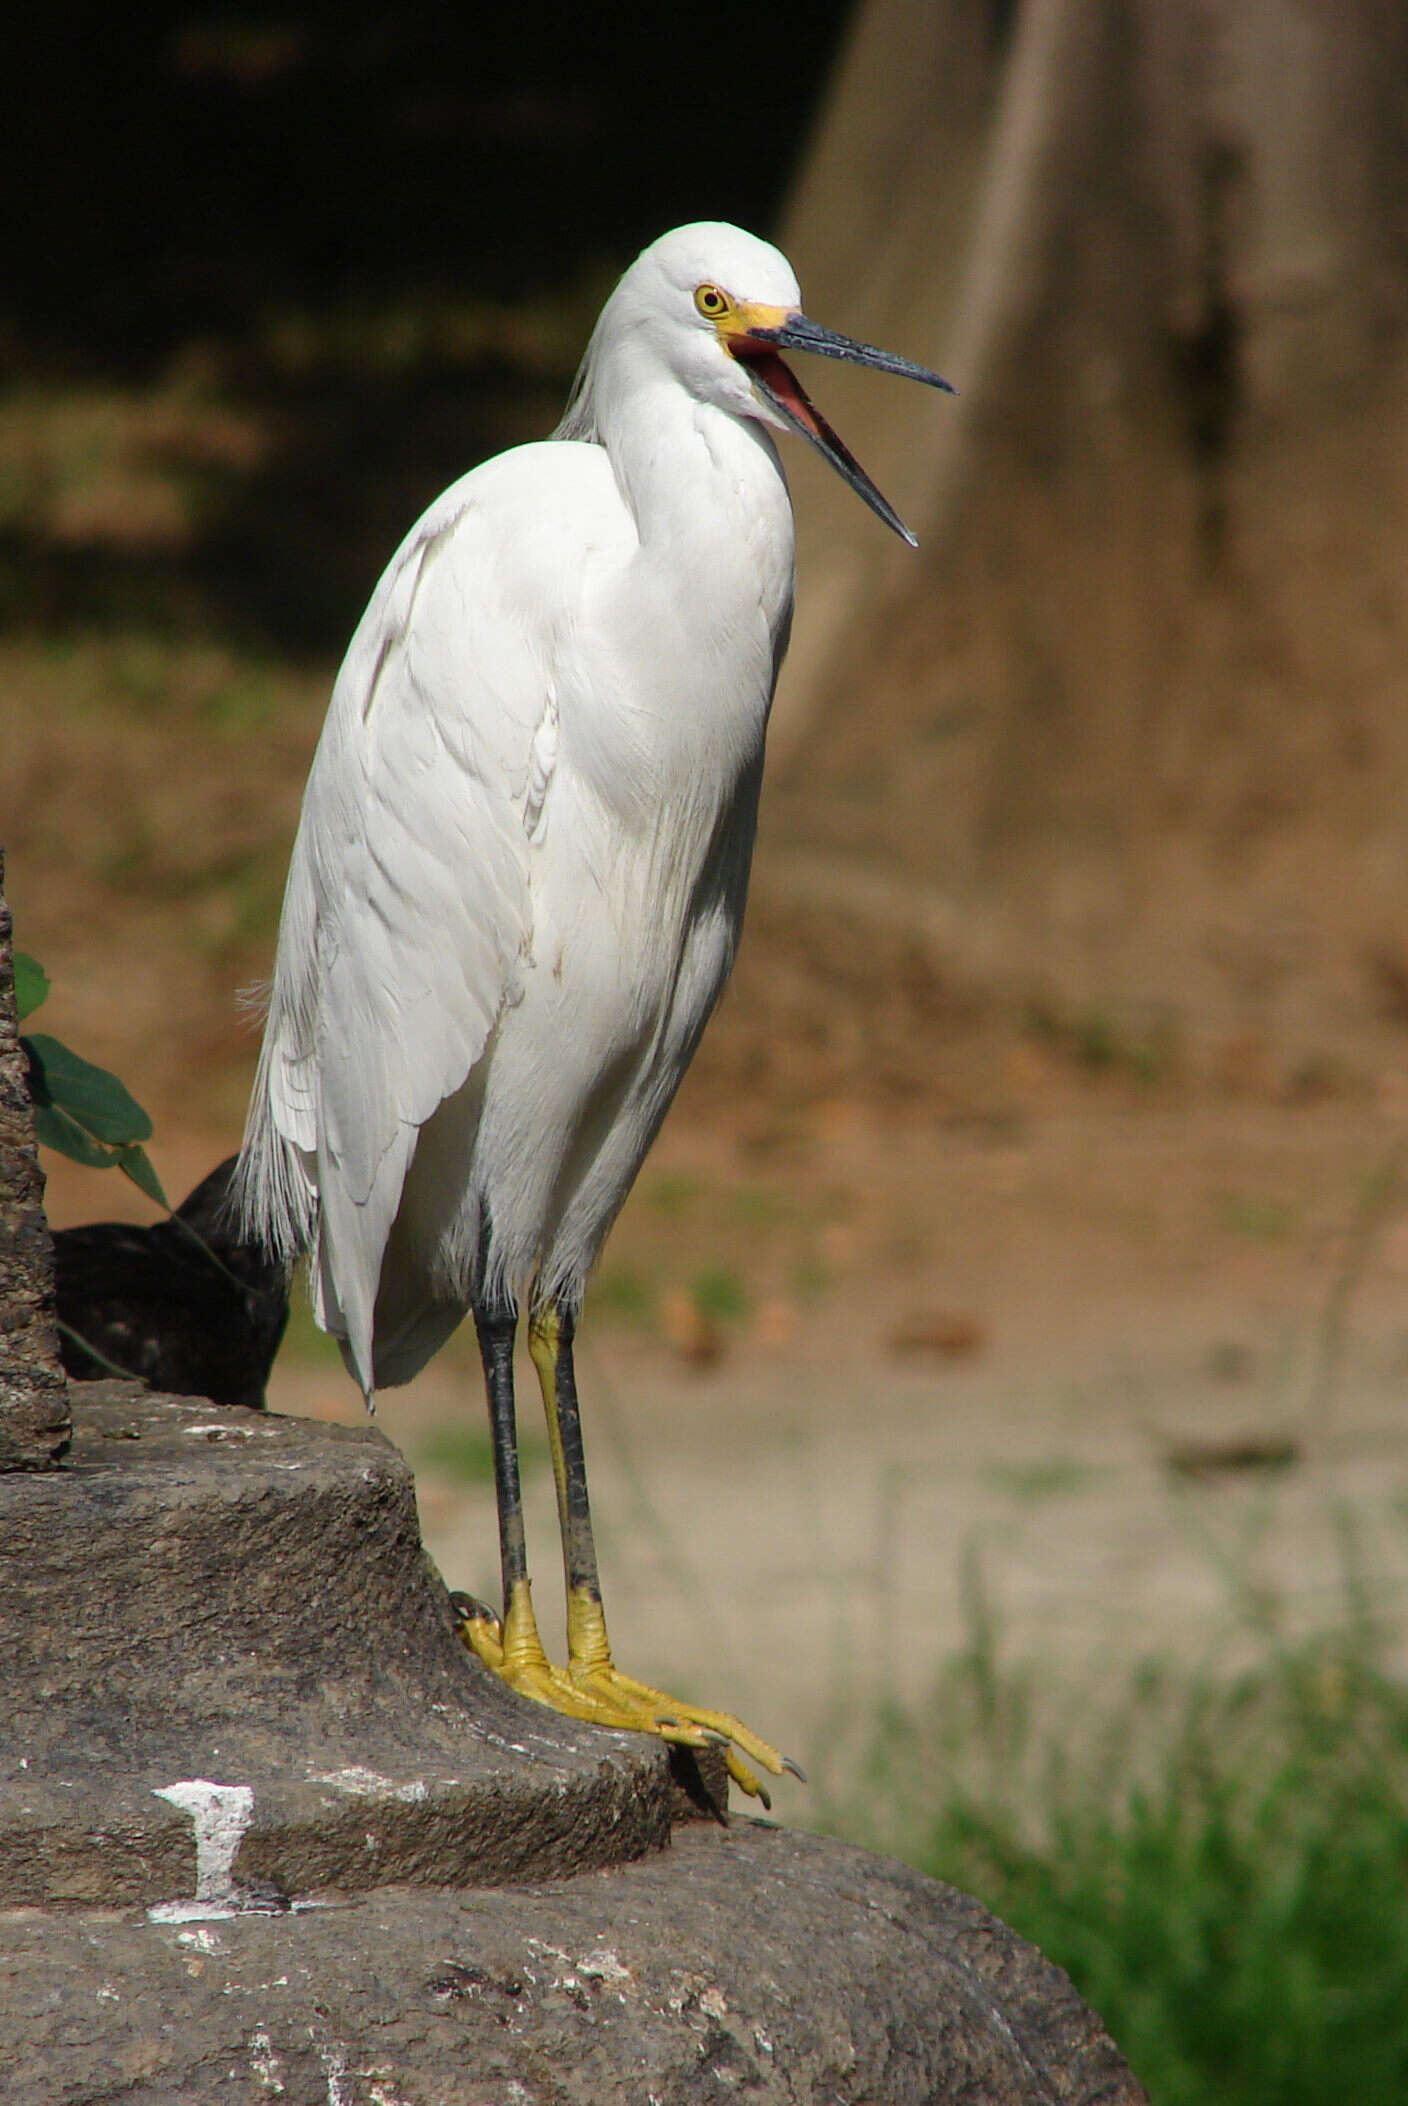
x,y
756,345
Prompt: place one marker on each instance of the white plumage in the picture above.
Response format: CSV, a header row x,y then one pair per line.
x,y
519,879
520,870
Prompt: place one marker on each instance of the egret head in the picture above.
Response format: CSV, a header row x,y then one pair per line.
x,y
718,307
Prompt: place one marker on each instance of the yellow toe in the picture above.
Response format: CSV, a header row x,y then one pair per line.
x,y
591,1687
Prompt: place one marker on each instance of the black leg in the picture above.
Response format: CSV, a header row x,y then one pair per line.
x,y
550,1332
569,1461
496,1327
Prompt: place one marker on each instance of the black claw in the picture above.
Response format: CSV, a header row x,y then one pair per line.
x,y
795,1768
760,1791
467,1609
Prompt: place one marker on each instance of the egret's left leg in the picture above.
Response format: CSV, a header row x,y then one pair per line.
x,y
589,1663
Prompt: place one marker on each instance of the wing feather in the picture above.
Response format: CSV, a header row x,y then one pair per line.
x,y
408,908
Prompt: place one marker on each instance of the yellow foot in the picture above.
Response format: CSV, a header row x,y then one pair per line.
x,y
592,1688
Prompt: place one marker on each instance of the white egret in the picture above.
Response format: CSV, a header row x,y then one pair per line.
x,y
519,878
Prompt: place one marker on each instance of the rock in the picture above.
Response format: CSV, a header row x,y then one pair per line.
x,y
746,1963
33,1407
268,1831
237,1597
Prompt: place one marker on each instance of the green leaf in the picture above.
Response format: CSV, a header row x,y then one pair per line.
x,y
93,1099
55,1129
135,1163
31,984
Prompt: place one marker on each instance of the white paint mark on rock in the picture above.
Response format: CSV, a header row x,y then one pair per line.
x,y
220,1814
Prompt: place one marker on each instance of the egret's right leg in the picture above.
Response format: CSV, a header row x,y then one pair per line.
x,y
512,1647
591,1670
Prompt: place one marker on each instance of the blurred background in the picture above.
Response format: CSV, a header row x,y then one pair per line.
x,y
995,1388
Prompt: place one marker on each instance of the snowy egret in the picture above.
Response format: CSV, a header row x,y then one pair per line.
x,y
519,877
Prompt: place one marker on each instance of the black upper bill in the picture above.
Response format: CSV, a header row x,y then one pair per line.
x,y
800,334
801,414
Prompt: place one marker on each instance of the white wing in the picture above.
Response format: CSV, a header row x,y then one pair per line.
x,y
407,913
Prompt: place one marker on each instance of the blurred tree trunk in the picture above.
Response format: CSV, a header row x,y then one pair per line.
x,y
1132,729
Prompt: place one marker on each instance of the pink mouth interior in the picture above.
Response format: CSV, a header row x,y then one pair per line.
x,y
778,378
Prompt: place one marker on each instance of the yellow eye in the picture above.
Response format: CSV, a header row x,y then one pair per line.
x,y
711,302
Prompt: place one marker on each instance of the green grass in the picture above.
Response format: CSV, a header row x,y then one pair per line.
x,y
1219,1862
718,1292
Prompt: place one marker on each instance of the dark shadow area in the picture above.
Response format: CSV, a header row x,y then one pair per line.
x,y
330,218
283,553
